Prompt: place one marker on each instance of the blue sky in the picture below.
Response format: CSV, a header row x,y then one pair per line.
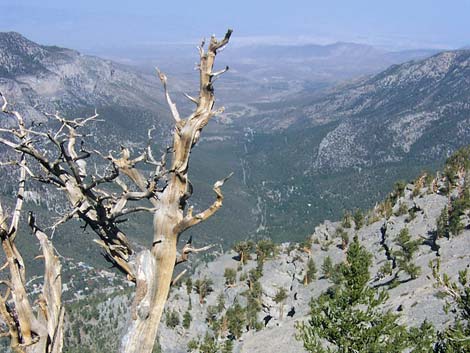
x,y
92,24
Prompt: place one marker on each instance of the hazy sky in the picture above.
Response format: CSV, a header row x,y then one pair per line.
x,y
92,24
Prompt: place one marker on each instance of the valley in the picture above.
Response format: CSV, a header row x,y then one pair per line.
x,y
312,133
333,155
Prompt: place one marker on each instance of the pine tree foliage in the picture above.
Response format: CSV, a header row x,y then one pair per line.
x,y
348,317
236,320
227,347
358,219
442,224
280,298
265,249
456,337
244,249
203,287
347,219
187,318
230,275
209,344
172,319
327,267
458,162
310,271
404,255
457,210
254,304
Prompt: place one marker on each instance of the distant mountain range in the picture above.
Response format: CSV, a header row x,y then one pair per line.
x,y
350,144
302,149
47,78
268,73
419,109
333,61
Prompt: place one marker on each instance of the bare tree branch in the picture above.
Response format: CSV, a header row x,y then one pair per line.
x,y
30,332
174,110
93,199
189,220
178,277
188,249
192,99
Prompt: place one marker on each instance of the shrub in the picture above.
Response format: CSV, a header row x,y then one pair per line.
x,y
172,319
310,272
402,209
236,319
358,219
404,256
455,337
230,276
279,298
327,267
187,318
347,218
442,224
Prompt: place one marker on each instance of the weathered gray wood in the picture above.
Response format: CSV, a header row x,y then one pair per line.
x,y
152,270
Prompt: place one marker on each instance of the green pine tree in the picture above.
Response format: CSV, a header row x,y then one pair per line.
x,y
358,219
236,319
442,224
243,249
349,319
209,344
456,337
310,272
406,252
327,267
203,287
230,275
187,318
227,346
280,298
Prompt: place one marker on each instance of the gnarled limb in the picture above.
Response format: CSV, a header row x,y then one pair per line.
x,y
30,332
188,249
172,200
190,221
68,171
94,200
174,110
51,311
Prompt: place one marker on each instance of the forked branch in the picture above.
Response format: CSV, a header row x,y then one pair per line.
x,y
190,221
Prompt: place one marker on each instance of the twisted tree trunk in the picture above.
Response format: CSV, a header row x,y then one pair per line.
x,y
101,207
31,331
155,269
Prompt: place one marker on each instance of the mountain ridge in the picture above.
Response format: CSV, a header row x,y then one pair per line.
x,y
325,142
48,78
353,141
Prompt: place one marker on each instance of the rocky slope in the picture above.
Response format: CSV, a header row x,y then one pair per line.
x,y
415,300
396,113
415,206
389,115
47,78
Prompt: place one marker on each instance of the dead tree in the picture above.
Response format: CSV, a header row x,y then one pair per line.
x,y
94,200
31,329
